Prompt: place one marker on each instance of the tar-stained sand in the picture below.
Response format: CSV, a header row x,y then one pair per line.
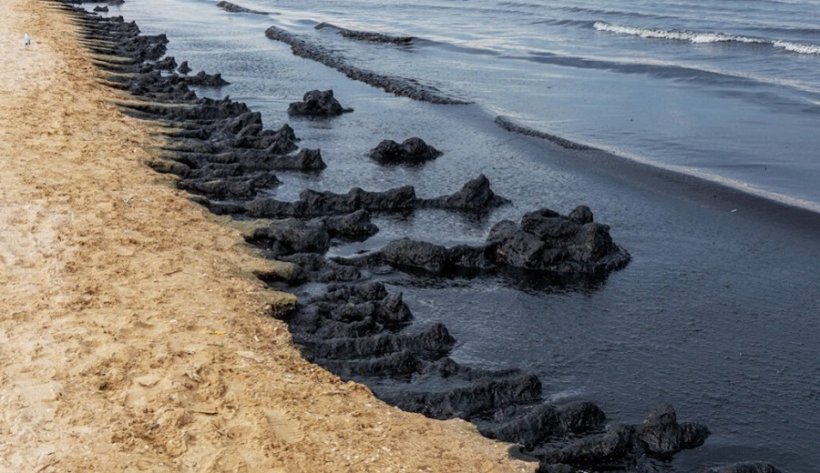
x,y
133,335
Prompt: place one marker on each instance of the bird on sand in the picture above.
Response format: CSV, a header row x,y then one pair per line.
x,y
26,40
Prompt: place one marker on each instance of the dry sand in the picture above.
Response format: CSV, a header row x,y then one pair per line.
x,y
133,336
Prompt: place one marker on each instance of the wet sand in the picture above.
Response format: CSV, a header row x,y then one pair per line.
x,y
134,335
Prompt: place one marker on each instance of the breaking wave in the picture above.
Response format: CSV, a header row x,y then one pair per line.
x,y
797,47
704,37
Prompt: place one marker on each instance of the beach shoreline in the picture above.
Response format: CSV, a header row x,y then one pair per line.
x,y
135,335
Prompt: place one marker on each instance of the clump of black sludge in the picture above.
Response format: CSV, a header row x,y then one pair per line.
x,y
411,151
396,85
233,8
570,246
369,36
317,103
353,325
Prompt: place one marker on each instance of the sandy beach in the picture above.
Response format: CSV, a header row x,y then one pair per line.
x,y
134,335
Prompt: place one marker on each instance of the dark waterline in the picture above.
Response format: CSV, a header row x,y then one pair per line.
x,y
717,313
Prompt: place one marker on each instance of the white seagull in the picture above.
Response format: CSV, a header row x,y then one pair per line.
x,y
26,40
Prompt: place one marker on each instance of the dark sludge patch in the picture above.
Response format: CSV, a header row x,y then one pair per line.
x,y
230,187
533,425
313,203
511,126
234,8
475,196
411,151
369,36
184,68
219,148
107,2
634,447
317,104
544,241
289,236
394,84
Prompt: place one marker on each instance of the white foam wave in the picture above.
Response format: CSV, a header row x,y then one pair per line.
x,y
701,37
797,47
690,36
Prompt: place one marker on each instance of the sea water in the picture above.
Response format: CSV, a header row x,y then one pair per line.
x,y
727,90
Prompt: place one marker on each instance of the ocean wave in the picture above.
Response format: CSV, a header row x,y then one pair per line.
x,y
598,11
731,82
797,47
563,22
704,37
520,4
690,36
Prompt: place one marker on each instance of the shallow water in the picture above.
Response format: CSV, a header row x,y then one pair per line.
x,y
718,311
730,90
